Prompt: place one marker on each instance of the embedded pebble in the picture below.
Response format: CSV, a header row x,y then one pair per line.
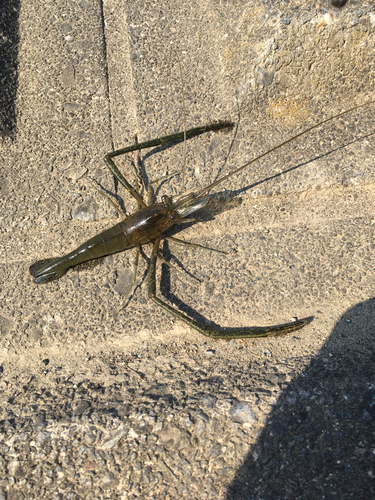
x,y
241,412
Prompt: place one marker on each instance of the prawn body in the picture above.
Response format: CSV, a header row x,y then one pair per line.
x,y
144,226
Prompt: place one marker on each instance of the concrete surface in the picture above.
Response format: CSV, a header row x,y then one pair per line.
x,y
86,384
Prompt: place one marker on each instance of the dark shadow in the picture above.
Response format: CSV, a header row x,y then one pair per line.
x,y
319,441
9,41
339,3
165,289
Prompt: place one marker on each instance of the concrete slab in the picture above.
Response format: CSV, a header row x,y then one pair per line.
x,y
90,77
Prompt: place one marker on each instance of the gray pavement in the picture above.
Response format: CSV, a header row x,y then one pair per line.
x,y
101,401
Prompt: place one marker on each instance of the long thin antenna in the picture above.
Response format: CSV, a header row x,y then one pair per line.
x,y
208,188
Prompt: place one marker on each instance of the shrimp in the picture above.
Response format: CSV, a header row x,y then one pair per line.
x,y
149,225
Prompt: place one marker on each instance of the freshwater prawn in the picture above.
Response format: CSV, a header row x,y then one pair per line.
x,y
149,225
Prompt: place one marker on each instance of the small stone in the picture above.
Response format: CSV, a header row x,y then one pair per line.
x,y
264,78
241,412
109,480
90,438
365,416
209,401
200,427
75,173
174,438
65,28
277,429
215,451
203,416
67,80
70,107
350,398
158,427
40,422
292,400
113,439
306,18
15,470
328,18
42,437
81,407
86,211
187,422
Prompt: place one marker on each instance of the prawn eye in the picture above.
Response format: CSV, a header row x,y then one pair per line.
x,y
165,199
173,216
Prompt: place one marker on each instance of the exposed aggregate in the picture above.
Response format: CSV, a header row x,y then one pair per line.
x,y
190,420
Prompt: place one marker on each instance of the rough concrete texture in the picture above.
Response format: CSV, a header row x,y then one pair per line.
x,y
104,401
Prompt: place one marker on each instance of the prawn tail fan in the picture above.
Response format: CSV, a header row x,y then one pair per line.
x,y
47,270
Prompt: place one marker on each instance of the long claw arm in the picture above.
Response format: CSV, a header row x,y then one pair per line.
x,y
230,333
171,138
153,143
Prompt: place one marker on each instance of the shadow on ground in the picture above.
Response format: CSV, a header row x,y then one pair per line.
x,y
319,441
9,40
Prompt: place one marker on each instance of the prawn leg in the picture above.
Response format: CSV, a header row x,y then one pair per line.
x,y
154,143
103,193
193,245
245,333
